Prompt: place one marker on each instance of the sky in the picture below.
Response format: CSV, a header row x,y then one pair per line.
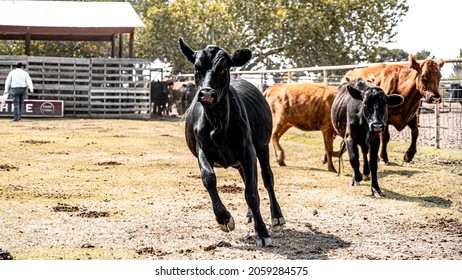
x,y
433,25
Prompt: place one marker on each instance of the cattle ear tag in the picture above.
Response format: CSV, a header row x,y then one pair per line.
x,y
241,57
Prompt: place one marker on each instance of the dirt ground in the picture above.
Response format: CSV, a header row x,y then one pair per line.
x,y
127,189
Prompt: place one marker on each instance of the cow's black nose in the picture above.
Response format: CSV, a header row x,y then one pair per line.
x,y
207,96
377,127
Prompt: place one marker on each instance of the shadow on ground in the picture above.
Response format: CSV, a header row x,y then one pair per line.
x,y
298,245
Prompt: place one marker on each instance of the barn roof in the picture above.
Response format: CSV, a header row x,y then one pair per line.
x,y
66,20
68,14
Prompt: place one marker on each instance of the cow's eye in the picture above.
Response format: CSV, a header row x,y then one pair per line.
x,y
224,71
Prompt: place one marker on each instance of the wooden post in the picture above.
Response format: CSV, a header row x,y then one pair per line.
x,y
437,125
113,45
27,47
132,40
121,45
324,73
262,77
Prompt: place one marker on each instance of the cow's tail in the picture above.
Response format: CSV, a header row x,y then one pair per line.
x,y
340,159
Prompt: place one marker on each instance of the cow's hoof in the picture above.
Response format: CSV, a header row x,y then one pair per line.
x,y
384,162
354,183
332,169
407,158
229,226
366,178
281,162
249,216
377,194
264,242
278,221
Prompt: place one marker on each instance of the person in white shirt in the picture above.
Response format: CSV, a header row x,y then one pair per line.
x,y
17,82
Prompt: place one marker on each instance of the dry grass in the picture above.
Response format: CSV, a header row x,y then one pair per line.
x,y
125,189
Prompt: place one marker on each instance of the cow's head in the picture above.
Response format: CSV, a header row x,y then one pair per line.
x,y
188,89
428,78
374,103
455,91
160,87
211,70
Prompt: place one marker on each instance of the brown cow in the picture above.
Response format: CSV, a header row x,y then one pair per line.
x,y
412,81
305,106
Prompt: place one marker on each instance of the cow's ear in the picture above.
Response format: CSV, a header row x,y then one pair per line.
x,y
441,63
413,64
186,50
241,57
370,78
394,100
356,94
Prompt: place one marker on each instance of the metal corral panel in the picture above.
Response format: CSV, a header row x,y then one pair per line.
x,y
106,88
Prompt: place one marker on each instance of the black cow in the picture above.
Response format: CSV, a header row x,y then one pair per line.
x,y
229,124
455,93
359,115
187,93
159,97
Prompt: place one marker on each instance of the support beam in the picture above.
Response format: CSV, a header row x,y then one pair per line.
x,y
121,45
132,41
27,45
113,43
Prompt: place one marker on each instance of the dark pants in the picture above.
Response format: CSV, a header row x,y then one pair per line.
x,y
18,95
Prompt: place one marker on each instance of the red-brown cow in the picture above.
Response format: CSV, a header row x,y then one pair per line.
x,y
305,106
412,81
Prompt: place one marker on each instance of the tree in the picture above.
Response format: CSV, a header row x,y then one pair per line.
x,y
456,69
423,54
290,33
390,55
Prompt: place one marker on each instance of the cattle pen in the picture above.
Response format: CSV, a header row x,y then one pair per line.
x,y
120,88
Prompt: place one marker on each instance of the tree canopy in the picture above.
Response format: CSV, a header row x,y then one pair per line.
x,y
280,33
457,69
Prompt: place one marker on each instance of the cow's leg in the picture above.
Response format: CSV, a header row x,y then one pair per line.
x,y
374,144
366,168
223,217
268,181
249,170
154,109
413,125
249,211
354,161
385,135
279,128
329,147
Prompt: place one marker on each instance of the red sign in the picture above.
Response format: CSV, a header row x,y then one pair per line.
x,y
36,108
